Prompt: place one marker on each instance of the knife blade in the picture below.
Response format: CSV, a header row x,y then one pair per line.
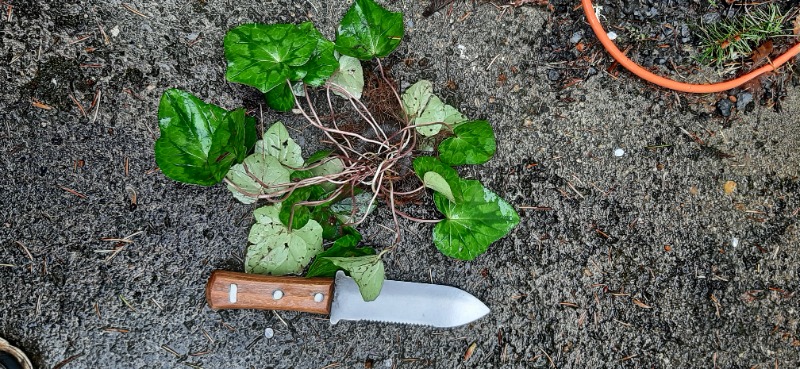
x,y
399,302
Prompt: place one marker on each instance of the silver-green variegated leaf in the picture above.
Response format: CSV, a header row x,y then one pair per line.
x,y
416,98
367,271
328,167
349,77
423,108
437,112
275,250
344,210
259,174
276,142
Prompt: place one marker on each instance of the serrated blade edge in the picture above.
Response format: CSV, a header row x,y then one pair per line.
x,y
406,303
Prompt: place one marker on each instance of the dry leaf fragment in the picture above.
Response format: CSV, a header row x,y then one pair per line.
x,y
729,187
796,30
470,351
40,105
641,304
762,51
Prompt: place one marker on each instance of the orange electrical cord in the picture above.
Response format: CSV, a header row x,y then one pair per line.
x,y
645,74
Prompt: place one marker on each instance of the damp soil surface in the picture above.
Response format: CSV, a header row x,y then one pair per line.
x,y
634,249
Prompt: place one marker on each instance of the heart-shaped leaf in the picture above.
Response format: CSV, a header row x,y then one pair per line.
x,y
473,222
199,142
367,271
248,180
322,62
423,108
277,142
277,251
368,31
263,55
473,143
349,77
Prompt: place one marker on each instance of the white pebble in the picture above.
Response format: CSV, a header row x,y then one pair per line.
x,y
735,242
388,363
114,31
269,333
462,51
619,152
612,35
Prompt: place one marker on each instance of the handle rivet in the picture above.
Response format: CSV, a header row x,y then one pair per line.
x,y
318,297
277,295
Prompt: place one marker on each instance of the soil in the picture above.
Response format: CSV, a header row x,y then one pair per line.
x,y
638,260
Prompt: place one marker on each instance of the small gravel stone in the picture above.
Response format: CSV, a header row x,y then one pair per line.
x,y
553,75
576,37
742,100
269,333
710,18
685,31
619,152
724,107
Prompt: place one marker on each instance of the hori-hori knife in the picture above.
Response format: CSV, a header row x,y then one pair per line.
x,y
398,302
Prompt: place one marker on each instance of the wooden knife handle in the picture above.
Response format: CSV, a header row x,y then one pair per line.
x,y
232,290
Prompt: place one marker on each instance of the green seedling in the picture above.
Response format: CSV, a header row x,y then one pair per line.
x,y
309,200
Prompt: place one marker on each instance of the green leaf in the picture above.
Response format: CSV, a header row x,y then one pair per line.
x,y
349,239
436,182
250,137
276,142
473,143
199,142
248,179
416,98
435,112
331,227
425,164
345,246
349,77
322,63
368,30
347,213
473,222
280,98
366,271
277,251
263,55
299,214
319,155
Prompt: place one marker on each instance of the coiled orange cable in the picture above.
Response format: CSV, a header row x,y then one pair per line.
x,y
588,9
